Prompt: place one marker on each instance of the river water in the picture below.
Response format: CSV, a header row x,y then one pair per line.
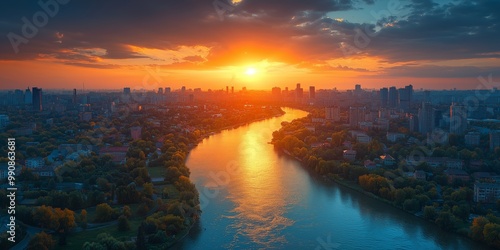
x,y
253,197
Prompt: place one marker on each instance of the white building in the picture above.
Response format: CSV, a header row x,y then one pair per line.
x,y
36,162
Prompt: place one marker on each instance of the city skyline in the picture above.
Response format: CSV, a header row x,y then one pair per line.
x,y
254,44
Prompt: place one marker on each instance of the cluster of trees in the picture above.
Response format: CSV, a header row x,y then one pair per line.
x,y
57,219
106,241
486,229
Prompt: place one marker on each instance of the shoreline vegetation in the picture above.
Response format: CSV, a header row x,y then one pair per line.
x,y
448,207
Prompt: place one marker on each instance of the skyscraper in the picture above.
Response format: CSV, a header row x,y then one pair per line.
x,y
37,99
28,97
458,118
74,97
426,118
356,115
384,97
126,91
393,97
405,96
299,92
312,92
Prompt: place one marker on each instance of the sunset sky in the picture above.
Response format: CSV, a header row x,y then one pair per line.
x,y
254,43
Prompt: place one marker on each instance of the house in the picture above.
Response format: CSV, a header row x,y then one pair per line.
x,y
370,165
456,174
388,160
349,154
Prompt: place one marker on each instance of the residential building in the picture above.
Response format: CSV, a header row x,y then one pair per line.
x,y
485,192
458,118
349,154
472,139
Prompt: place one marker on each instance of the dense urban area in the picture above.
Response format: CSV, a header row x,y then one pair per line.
x,y
106,169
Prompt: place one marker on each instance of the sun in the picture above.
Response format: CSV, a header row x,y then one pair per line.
x,y
250,71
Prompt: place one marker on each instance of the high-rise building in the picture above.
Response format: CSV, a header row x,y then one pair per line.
x,y
126,91
472,139
73,100
384,97
356,115
276,91
299,92
312,92
332,113
426,118
18,97
28,97
37,99
494,140
405,95
167,90
458,118
160,91
393,97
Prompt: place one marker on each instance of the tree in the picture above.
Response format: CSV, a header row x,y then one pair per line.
x,y
491,234
123,224
103,213
41,241
429,212
126,211
477,227
43,217
83,218
446,220
148,189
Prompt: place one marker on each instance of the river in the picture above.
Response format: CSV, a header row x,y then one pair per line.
x,y
253,197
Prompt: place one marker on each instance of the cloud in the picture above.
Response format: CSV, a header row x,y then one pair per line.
x,y
294,32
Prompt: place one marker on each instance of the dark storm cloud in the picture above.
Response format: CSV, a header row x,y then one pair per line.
x,y
293,31
466,29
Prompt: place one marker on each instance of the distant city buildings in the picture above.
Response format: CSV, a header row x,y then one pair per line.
x,y
426,119
458,118
393,97
332,113
356,115
494,140
405,97
37,99
312,92
472,139
384,97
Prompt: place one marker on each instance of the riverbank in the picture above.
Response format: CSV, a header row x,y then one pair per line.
x,y
331,178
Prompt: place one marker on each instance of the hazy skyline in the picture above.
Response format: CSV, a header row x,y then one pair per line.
x,y
254,43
